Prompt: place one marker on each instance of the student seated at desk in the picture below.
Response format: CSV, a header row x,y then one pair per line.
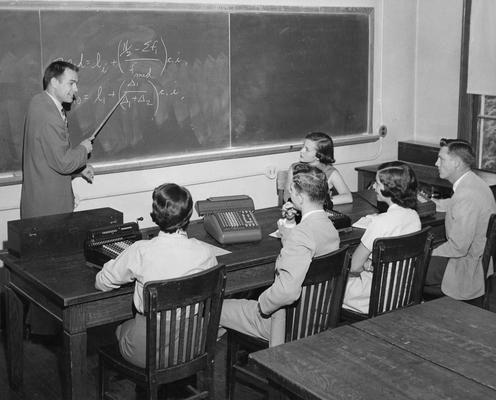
x,y
291,215
396,185
314,236
318,150
456,268
169,255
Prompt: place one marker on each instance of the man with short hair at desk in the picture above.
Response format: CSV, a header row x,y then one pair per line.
x,y
456,265
314,236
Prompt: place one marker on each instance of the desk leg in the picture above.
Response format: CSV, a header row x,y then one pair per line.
x,y
74,364
14,345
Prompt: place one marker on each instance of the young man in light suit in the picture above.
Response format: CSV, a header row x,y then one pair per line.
x,y
314,236
49,160
456,265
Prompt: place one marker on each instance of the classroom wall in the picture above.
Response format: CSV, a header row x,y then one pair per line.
x,y
439,31
415,90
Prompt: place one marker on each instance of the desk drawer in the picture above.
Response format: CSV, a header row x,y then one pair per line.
x,y
108,310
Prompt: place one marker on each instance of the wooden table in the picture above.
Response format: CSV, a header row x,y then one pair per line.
x,y
436,350
454,335
64,286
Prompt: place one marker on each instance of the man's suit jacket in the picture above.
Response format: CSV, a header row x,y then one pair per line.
x,y
48,160
312,237
467,216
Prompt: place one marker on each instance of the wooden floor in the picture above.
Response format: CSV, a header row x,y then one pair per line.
x,y
42,381
41,372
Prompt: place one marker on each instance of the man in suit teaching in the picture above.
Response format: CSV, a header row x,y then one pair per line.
x,y
456,265
49,161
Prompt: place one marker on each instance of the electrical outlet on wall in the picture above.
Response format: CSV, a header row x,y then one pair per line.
x,y
271,171
383,131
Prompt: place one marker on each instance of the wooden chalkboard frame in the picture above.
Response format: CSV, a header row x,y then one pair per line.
x,y
228,152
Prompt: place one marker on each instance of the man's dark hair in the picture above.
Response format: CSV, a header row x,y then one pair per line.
x,y
461,148
56,69
324,147
172,207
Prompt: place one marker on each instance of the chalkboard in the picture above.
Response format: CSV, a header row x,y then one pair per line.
x,y
20,79
195,81
173,66
296,73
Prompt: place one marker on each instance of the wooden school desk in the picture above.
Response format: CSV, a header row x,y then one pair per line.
x,y
436,350
427,176
64,286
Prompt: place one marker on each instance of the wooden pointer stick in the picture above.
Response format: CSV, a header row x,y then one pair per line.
x,y
97,130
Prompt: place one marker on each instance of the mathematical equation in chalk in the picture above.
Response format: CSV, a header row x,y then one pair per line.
x,y
139,72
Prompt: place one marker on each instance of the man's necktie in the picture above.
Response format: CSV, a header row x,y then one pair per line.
x,y
64,115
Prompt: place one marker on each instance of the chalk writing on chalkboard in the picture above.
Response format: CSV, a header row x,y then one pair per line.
x,y
172,67
191,81
137,65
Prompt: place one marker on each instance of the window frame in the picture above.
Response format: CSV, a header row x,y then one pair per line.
x,y
469,105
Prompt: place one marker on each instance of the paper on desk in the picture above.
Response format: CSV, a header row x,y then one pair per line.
x,y
364,222
218,251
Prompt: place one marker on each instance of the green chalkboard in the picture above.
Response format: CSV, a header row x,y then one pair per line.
x,y
195,81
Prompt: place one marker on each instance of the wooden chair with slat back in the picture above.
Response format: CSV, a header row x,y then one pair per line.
x,y
399,265
189,306
489,253
317,309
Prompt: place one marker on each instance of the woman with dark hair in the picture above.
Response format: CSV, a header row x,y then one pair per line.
x,y
396,185
318,150
169,255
